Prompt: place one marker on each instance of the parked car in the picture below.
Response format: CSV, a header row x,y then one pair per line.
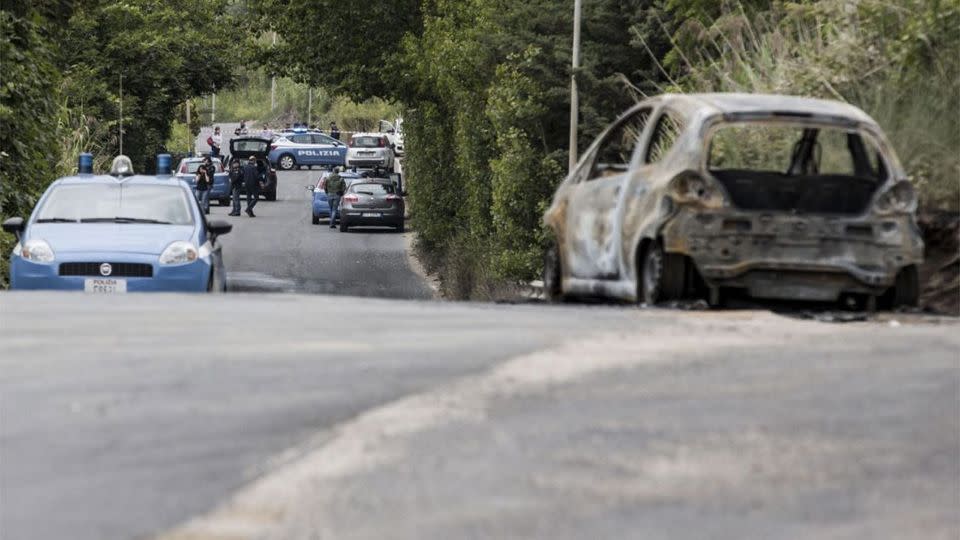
x,y
220,192
320,205
116,234
368,150
696,195
298,149
371,202
394,133
242,148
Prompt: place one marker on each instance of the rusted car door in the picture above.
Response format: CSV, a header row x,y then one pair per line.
x,y
593,218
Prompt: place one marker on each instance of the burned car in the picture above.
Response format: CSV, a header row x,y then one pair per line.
x,y
699,195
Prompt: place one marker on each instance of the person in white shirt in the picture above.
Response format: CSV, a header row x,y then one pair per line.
x,y
216,142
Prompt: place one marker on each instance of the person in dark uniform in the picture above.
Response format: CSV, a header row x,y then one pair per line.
x,y
251,182
236,185
334,131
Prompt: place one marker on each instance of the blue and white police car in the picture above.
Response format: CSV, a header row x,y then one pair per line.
x,y
118,233
220,192
306,149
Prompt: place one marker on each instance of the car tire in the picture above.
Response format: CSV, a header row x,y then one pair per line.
x,y
272,194
343,225
400,226
286,162
552,274
224,202
661,276
316,220
905,291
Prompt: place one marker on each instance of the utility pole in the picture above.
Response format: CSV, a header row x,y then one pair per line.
x,y
188,113
309,106
121,114
213,110
273,82
574,97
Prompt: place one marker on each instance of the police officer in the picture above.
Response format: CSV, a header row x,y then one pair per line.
x,y
334,131
251,182
204,181
334,187
236,185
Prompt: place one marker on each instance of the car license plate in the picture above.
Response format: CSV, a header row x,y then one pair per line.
x,y
364,153
371,214
100,285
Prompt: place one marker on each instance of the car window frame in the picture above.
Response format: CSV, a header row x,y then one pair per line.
x,y
611,131
664,111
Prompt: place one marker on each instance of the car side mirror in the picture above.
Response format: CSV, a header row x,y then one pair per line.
x,y
218,227
14,226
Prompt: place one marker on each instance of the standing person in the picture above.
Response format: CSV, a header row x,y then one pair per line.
x,y
251,182
334,131
203,183
236,185
334,188
216,142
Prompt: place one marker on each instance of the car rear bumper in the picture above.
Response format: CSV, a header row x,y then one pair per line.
x,y
190,277
795,257
387,218
367,162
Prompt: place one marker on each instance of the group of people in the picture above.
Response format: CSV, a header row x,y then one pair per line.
x,y
249,178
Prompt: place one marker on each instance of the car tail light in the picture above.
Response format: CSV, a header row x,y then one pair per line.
x,y
273,147
322,183
383,142
351,198
690,188
899,198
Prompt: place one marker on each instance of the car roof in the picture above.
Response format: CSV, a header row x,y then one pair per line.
x,y
368,134
384,181
137,179
742,103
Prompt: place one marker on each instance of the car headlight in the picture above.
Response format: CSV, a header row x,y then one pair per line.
x,y
901,198
179,252
37,251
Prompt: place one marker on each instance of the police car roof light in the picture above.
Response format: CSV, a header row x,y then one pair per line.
x,y
85,163
164,162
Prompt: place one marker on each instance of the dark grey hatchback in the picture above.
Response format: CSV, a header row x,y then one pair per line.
x,y
371,203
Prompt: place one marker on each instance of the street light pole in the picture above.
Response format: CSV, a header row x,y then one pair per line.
x,y
273,82
574,96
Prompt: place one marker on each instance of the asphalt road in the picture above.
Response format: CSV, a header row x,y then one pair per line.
x,y
280,250
123,417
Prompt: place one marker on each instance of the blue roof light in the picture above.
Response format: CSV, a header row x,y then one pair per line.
x,y
164,162
85,163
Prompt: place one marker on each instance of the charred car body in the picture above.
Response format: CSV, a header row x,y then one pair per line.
x,y
780,197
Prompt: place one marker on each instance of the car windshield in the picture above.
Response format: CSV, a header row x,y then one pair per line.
x,y
117,202
366,142
190,167
372,189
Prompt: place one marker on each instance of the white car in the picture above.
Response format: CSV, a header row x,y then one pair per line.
x,y
369,150
394,133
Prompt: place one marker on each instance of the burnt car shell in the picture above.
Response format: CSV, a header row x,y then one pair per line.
x,y
790,234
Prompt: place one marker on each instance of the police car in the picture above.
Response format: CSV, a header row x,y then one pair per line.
x,y
118,233
220,191
302,148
